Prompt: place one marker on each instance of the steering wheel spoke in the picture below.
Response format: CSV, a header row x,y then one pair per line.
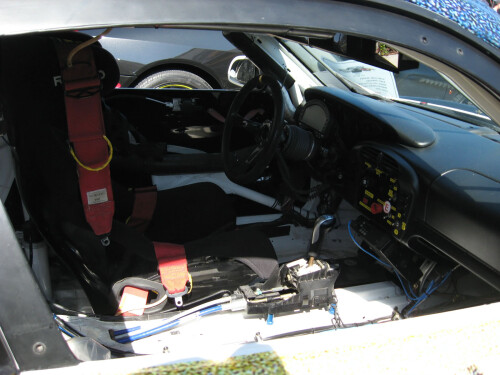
x,y
252,127
246,165
246,155
253,155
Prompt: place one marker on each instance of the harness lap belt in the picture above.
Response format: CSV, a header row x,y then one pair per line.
x,y
87,134
144,208
172,265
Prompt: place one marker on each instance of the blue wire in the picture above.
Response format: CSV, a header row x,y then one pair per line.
x,y
411,290
429,291
404,289
418,300
64,330
380,261
361,248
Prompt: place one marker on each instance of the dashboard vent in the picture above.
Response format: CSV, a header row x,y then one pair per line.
x,y
379,159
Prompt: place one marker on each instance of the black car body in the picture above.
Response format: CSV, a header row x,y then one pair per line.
x,y
317,217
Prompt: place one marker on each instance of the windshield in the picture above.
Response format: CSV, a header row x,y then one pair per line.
x,y
421,86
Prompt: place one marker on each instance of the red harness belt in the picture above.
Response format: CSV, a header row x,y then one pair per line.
x,y
173,267
92,150
172,262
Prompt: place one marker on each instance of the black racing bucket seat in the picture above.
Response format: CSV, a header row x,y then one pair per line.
x,y
33,103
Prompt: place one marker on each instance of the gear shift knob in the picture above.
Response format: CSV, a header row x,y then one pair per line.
x,y
322,225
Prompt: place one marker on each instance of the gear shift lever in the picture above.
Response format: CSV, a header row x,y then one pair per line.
x,y
322,225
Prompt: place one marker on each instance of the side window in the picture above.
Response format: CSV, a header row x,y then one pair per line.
x,y
163,58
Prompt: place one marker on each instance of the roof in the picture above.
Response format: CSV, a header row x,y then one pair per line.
x,y
472,15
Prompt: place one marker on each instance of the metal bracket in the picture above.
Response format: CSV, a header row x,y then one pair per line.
x,y
30,332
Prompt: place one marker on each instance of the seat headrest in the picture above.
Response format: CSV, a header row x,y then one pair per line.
x,y
31,90
39,51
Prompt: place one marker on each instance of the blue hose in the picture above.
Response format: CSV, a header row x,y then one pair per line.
x,y
126,330
166,326
150,332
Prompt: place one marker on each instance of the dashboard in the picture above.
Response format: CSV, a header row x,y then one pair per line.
x,y
419,179
424,182
380,183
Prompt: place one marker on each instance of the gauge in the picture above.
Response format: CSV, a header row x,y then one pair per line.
x,y
315,115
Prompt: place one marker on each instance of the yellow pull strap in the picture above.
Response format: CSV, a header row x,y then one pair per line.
x,y
110,146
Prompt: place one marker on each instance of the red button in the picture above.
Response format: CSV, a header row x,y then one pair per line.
x,y
376,208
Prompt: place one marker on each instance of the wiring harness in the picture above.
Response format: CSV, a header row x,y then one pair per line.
x,y
415,300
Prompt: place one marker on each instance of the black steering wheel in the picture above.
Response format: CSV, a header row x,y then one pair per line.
x,y
246,165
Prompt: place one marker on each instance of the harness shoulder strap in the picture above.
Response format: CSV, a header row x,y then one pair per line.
x,y
90,148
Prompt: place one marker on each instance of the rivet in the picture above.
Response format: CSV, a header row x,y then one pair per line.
x,y
39,348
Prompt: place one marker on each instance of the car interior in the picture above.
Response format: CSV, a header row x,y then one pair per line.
x,y
290,206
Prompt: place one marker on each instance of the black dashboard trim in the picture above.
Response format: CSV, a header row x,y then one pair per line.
x,y
455,252
409,130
